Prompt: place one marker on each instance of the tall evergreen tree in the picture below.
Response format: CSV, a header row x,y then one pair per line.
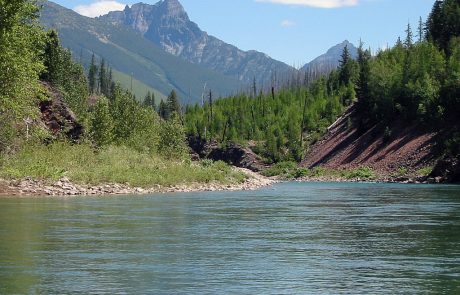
x,y
52,59
409,37
173,103
421,30
92,80
103,83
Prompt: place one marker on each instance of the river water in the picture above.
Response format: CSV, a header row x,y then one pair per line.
x,y
292,238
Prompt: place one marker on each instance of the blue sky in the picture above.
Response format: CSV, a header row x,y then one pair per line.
x,y
296,31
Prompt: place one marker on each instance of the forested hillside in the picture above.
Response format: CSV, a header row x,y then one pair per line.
x,y
129,53
57,121
418,80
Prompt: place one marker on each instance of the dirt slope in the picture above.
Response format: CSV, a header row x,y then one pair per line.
x,y
346,148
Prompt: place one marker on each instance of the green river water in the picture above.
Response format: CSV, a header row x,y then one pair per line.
x,y
292,238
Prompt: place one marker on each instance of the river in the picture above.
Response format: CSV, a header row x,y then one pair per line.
x,y
292,238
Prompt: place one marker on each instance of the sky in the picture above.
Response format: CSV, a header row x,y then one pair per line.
x,y
293,31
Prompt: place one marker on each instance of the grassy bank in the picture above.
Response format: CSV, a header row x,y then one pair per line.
x,y
82,164
291,170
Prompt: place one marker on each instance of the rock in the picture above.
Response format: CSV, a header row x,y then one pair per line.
x,y
447,170
233,154
58,117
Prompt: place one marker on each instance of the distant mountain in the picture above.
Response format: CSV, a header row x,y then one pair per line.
x,y
330,60
168,25
132,55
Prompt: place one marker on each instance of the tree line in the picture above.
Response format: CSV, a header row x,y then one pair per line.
x,y
417,80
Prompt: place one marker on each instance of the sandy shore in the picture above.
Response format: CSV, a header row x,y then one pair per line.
x,y
64,187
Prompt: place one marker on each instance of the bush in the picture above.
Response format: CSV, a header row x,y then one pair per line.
x,y
281,169
364,173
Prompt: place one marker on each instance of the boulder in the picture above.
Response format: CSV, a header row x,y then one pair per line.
x,y
232,153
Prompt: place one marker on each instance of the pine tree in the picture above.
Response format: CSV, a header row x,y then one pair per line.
x,y
103,83
345,67
92,75
409,37
163,110
173,104
421,30
52,59
149,100
362,85
435,22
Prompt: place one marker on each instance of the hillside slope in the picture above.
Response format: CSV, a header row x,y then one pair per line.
x,y
131,54
408,148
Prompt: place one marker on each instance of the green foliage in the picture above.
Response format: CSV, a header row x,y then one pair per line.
x,y
92,75
172,140
111,165
149,101
281,169
424,171
102,123
278,121
62,72
443,22
363,173
20,66
173,105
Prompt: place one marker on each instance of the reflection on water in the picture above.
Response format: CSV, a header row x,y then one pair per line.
x,y
290,239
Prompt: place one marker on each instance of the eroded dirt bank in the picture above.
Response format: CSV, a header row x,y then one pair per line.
x,y
407,149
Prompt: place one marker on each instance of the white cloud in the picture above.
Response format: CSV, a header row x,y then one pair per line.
x,y
287,23
315,3
100,7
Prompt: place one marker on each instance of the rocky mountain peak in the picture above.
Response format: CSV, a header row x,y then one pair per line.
x,y
173,8
167,24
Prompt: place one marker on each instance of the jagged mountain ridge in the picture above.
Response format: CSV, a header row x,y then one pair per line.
x,y
330,60
167,24
131,54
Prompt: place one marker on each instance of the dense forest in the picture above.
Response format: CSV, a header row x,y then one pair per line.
x,y
417,80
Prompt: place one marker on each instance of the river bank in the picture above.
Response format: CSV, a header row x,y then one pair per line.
x,y
64,187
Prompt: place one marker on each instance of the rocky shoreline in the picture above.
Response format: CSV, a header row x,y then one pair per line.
x,y
64,187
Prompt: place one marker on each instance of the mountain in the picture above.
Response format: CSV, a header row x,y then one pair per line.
x,y
167,24
132,55
330,60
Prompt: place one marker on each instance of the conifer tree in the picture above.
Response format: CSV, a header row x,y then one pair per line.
x,y
421,30
409,37
52,59
173,104
163,110
92,80
103,83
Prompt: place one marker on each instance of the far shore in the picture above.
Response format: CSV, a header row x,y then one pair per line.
x,y
29,187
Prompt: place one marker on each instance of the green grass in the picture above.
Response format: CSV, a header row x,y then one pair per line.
x,y
81,164
290,170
